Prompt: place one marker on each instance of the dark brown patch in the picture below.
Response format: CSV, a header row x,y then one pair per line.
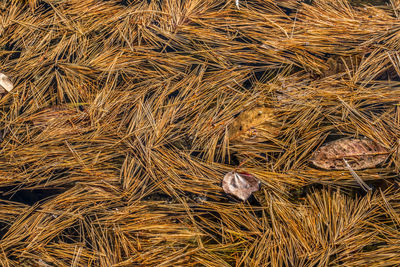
x,y
359,153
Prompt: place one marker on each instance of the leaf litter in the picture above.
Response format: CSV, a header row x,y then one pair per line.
x,y
255,123
351,153
241,185
161,84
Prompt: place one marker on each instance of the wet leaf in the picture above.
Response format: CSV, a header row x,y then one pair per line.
x,y
255,123
241,185
358,153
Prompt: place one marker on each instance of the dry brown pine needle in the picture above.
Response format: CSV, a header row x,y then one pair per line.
x,y
125,115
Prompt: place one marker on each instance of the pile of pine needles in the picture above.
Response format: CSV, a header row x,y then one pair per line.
x,y
117,134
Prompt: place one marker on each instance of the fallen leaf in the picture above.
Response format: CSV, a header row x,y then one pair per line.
x,y
358,153
5,84
256,123
241,185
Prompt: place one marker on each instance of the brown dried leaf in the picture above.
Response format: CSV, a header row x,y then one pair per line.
x,y
254,123
358,153
241,185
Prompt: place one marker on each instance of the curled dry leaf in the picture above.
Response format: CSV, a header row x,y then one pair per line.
x,y
5,84
255,123
241,185
358,153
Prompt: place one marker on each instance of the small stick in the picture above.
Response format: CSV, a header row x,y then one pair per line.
x,y
358,178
